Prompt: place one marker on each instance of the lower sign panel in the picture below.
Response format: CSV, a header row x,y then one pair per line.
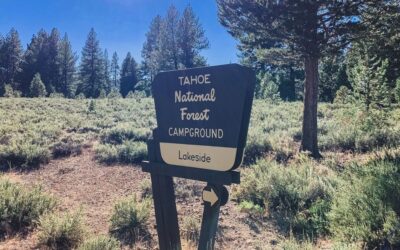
x,y
198,156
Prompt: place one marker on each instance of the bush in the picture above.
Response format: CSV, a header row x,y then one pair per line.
x,y
355,130
37,87
24,155
191,229
120,133
254,210
146,189
61,231
21,207
298,196
343,96
66,147
101,243
256,147
9,92
397,90
293,244
366,206
114,94
91,106
56,95
80,96
129,219
129,152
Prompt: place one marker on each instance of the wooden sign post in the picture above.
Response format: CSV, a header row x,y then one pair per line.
x,y
202,121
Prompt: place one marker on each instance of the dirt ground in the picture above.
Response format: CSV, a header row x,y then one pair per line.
x,y
81,183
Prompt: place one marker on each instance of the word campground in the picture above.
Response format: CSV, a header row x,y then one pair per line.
x,y
208,133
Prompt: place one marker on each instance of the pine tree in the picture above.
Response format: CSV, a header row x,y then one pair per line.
x,y
169,38
378,29
91,68
2,66
332,75
128,75
51,72
368,78
11,55
114,68
153,61
191,40
67,63
311,29
35,60
37,88
107,77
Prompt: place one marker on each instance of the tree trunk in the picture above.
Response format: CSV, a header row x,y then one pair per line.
x,y
310,128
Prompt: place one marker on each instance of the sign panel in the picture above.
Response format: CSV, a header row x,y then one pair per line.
x,y
203,115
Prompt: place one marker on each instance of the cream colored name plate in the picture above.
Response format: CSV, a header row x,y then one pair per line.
x,y
198,156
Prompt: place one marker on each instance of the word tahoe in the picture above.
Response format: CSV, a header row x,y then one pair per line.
x,y
196,79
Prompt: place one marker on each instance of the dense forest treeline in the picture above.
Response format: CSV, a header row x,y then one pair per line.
x,y
48,66
368,69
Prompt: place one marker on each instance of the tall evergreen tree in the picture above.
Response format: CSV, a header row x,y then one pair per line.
x,y
2,66
332,75
67,64
51,73
107,77
169,38
379,31
128,75
153,61
191,40
310,29
35,60
91,68
114,68
11,59
368,76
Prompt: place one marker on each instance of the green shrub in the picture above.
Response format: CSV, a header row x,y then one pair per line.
x,y
91,106
343,96
397,90
107,154
56,95
298,196
129,219
23,155
58,231
80,96
123,132
191,229
293,244
100,243
355,130
37,87
9,92
21,207
146,189
66,147
129,152
114,94
366,206
256,147
254,210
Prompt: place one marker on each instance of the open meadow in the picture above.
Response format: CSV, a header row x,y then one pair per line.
x,y
70,178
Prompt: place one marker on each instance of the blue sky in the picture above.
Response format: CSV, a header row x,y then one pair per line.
x,y
120,24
